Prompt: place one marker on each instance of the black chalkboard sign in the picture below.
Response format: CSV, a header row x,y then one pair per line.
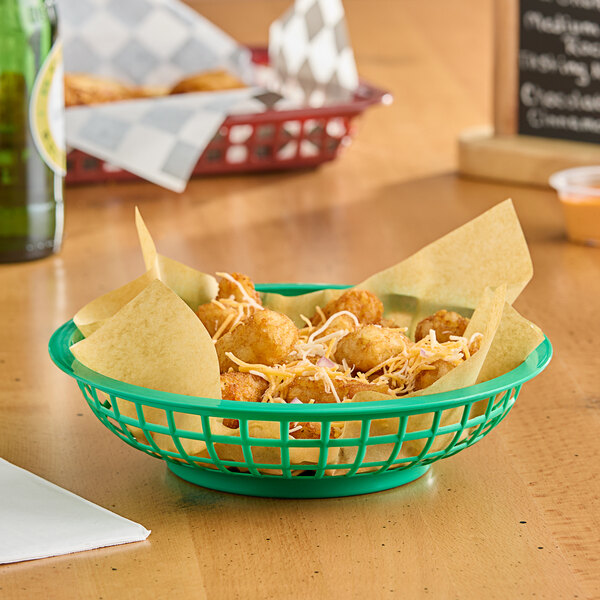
x,y
559,69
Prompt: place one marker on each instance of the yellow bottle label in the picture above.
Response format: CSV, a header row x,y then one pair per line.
x,y
47,111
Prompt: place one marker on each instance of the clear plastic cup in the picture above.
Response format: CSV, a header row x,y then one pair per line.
x,y
579,193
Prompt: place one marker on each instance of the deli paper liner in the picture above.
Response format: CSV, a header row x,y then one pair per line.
x,y
478,270
154,329
192,286
450,273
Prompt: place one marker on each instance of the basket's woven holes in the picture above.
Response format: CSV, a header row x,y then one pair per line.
x,y
476,434
284,429
459,434
117,416
323,449
402,421
246,448
99,409
509,402
491,424
435,425
511,397
173,432
210,446
362,447
90,397
143,427
101,405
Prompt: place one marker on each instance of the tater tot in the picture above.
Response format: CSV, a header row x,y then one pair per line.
x,y
340,322
228,289
312,431
212,316
425,378
365,305
266,337
309,431
306,389
445,323
244,387
369,346
241,387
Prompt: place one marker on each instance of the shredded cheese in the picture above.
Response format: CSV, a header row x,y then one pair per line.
x,y
311,358
243,291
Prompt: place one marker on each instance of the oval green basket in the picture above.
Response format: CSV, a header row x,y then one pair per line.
x,y
455,421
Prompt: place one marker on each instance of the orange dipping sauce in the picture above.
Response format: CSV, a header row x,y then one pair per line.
x,y
582,218
579,193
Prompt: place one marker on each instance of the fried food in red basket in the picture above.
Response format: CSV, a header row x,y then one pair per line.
x,y
82,89
208,81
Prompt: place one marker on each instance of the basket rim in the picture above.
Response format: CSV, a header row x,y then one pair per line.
x,y
60,353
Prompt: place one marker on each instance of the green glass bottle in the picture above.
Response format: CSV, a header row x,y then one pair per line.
x,y
32,142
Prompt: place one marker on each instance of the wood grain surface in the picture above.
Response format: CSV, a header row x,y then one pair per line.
x,y
515,516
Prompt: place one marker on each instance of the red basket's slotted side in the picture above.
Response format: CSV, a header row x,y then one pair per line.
x,y
272,140
281,142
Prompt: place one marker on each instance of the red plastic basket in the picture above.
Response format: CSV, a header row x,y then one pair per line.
x,y
267,141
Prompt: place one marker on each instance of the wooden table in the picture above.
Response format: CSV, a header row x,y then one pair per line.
x,y
515,516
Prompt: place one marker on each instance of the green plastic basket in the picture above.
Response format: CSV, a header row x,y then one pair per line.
x,y
455,421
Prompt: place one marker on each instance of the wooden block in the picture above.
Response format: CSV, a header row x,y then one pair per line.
x,y
519,158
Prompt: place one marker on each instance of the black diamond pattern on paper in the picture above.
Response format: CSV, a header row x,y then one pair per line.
x,y
269,99
314,20
340,34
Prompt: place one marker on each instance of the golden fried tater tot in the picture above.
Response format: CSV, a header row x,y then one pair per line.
x,y
306,389
312,431
309,431
365,305
212,316
228,289
266,337
425,378
445,323
475,344
340,322
242,387
207,81
370,345
389,323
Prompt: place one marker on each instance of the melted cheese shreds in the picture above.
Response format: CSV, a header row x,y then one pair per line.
x,y
243,291
238,312
399,373
280,377
332,318
223,327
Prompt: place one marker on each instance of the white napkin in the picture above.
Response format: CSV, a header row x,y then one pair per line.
x,y
40,519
